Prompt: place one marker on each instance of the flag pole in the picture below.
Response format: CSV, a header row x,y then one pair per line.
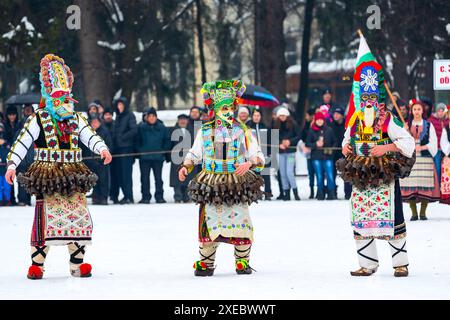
x,y
389,91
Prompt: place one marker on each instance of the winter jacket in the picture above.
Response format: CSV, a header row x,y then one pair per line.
x,y
11,130
4,150
104,133
124,128
329,141
178,154
153,138
290,132
192,129
260,130
339,132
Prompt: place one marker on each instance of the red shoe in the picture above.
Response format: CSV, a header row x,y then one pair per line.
x,y
81,271
35,273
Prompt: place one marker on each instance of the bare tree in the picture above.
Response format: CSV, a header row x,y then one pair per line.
x,y
94,60
271,63
304,73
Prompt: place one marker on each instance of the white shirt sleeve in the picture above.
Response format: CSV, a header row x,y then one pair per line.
x,y
445,144
195,154
401,138
254,150
28,134
89,137
432,144
346,137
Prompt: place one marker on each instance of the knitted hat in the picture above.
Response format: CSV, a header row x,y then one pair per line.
x,y
283,112
152,111
441,106
319,116
183,116
107,110
243,110
339,110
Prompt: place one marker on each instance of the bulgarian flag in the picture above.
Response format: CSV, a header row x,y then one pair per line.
x,y
364,58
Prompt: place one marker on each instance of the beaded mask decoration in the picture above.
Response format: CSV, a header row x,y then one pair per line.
x,y
56,87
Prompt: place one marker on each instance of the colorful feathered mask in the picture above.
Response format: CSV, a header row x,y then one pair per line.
x,y
220,98
56,87
368,100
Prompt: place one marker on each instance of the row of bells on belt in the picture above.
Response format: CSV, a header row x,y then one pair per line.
x,y
52,177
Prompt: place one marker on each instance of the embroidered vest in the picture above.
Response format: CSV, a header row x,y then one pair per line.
x,y
424,137
221,157
362,142
51,149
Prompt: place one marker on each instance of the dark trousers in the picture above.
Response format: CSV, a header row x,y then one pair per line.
x,y
180,193
311,172
146,166
101,189
267,186
347,190
23,196
114,188
124,170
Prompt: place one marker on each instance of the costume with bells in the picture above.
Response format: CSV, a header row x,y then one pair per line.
x,y
376,202
222,146
57,177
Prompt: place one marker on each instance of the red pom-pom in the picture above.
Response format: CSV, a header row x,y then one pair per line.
x,y
34,272
85,269
239,266
208,101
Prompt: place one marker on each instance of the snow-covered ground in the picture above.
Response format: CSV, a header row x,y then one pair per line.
x,y
302,250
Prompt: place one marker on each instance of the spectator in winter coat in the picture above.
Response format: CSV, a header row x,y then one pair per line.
x,y
306,151
289,136
153,136
27,111
338,127
327,101
100,108
428,105
124,134
101,189
322,136
404,109
11,129
5,188
195,122
92,111
440,121
262,134
180,145
243,115
11,124
108,120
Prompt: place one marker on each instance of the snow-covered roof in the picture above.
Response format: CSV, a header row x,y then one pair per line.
x,y
331,66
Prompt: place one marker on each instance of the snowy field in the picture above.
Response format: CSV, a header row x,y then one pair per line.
x,y
302,250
